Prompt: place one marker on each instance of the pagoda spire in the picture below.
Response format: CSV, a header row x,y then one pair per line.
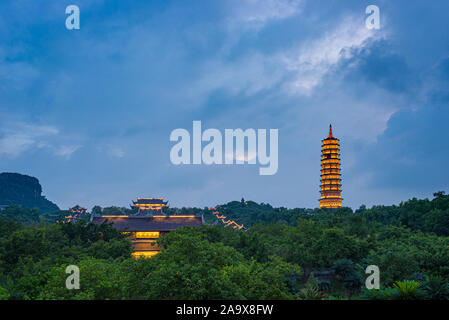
x,y
330,132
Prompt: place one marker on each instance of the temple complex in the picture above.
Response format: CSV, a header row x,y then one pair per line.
x,y
147,206
145,230
330,188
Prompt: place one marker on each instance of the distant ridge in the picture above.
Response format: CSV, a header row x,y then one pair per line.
x,y
23,190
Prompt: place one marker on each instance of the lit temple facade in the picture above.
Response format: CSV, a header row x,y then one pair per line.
x,y
144,231
149,205
330,188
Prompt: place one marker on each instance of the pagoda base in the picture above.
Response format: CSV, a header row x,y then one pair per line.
x,y
330,203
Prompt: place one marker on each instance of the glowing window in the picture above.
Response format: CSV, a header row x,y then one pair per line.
x,y
144,254
147,235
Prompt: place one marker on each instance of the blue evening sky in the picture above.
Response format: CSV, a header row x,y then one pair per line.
x,y
89,112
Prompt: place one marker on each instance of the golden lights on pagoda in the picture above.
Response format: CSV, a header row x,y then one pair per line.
x,y
330,188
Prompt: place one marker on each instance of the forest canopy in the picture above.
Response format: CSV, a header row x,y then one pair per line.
x,y
283,254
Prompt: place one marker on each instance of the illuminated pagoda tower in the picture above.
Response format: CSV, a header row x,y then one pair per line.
x,y
330,188
147,206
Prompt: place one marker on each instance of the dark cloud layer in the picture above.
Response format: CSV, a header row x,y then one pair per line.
x,y
413,152
379,65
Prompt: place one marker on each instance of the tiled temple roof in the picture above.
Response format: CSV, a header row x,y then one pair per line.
x,y
150,201
155,223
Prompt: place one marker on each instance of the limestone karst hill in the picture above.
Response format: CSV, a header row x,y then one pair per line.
x,y
25,191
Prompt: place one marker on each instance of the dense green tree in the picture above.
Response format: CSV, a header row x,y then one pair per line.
x,y
28,253
346,272
191,267
435,288
99,280
4,295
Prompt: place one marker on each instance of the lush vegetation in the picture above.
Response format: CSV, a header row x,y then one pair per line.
x,y
25,191
28,216
424,215
284,254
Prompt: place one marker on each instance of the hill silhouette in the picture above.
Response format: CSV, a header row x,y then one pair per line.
x,y
23,190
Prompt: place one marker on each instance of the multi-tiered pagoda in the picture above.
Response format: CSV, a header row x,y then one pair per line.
x,y
330,172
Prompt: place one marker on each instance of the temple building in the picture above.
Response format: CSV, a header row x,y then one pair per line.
x,y
330,188
145,230
147,206
77,212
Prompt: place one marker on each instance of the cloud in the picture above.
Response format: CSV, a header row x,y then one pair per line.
x,y
315,58
256,13
14,73
66,151
438,83
111,150
261,64
249,75
116,152
15,144
443,70
298,70
411,154
16,138
378,64
241,155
